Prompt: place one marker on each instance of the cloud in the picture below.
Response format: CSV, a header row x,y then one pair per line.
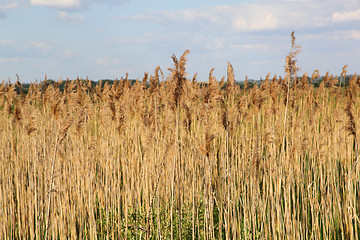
x,y
266,21
244,17
67,54
11,5
263,15
149,38
212,44
335,35
354,34
187,16
261,62
346,16
9,60
73,4
107,61
61,4
42,47
6,42
72,19
250,46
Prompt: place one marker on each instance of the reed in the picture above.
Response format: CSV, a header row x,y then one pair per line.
x,y
170,157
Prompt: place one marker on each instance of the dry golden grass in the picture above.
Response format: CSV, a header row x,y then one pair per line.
x,y
174,159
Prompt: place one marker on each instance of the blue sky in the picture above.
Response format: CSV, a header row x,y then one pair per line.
x,y
105,39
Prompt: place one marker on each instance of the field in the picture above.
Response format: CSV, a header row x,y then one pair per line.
x,y
170,158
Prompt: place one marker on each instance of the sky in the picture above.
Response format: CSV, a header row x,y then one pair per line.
x,y
105,39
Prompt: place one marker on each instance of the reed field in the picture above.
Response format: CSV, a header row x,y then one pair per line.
x,y
171,158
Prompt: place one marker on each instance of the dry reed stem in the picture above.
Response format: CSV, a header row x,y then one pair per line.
x,y
62,132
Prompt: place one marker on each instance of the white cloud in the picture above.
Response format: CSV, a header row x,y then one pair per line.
x,y
354,34
6,42
250,46
335,35
266,22
214,44
146,38
67,54
72,19
9,6
73,4
9,60
26,48
346,16
187,16
42,47
62,4
107,61
245,17
261,62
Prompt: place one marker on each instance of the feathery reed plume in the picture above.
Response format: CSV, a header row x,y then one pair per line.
x,y
265,84
18,80
64,127
187,120
315,75
274,79
145,79
222,82
56,106
224,114
304,82
208,140
20,88
230,83
290,64
154,80
325,81
274,91
17,112
333,81
358,81
10,97
111,104
343,74
2,91
98,89
246,83
212,88
258,97
207,106
81,120
121,118
194,79
32,125
350,125
126,82
353,84
291,72
178,75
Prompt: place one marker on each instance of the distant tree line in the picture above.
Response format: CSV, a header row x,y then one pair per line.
x,y
24,87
